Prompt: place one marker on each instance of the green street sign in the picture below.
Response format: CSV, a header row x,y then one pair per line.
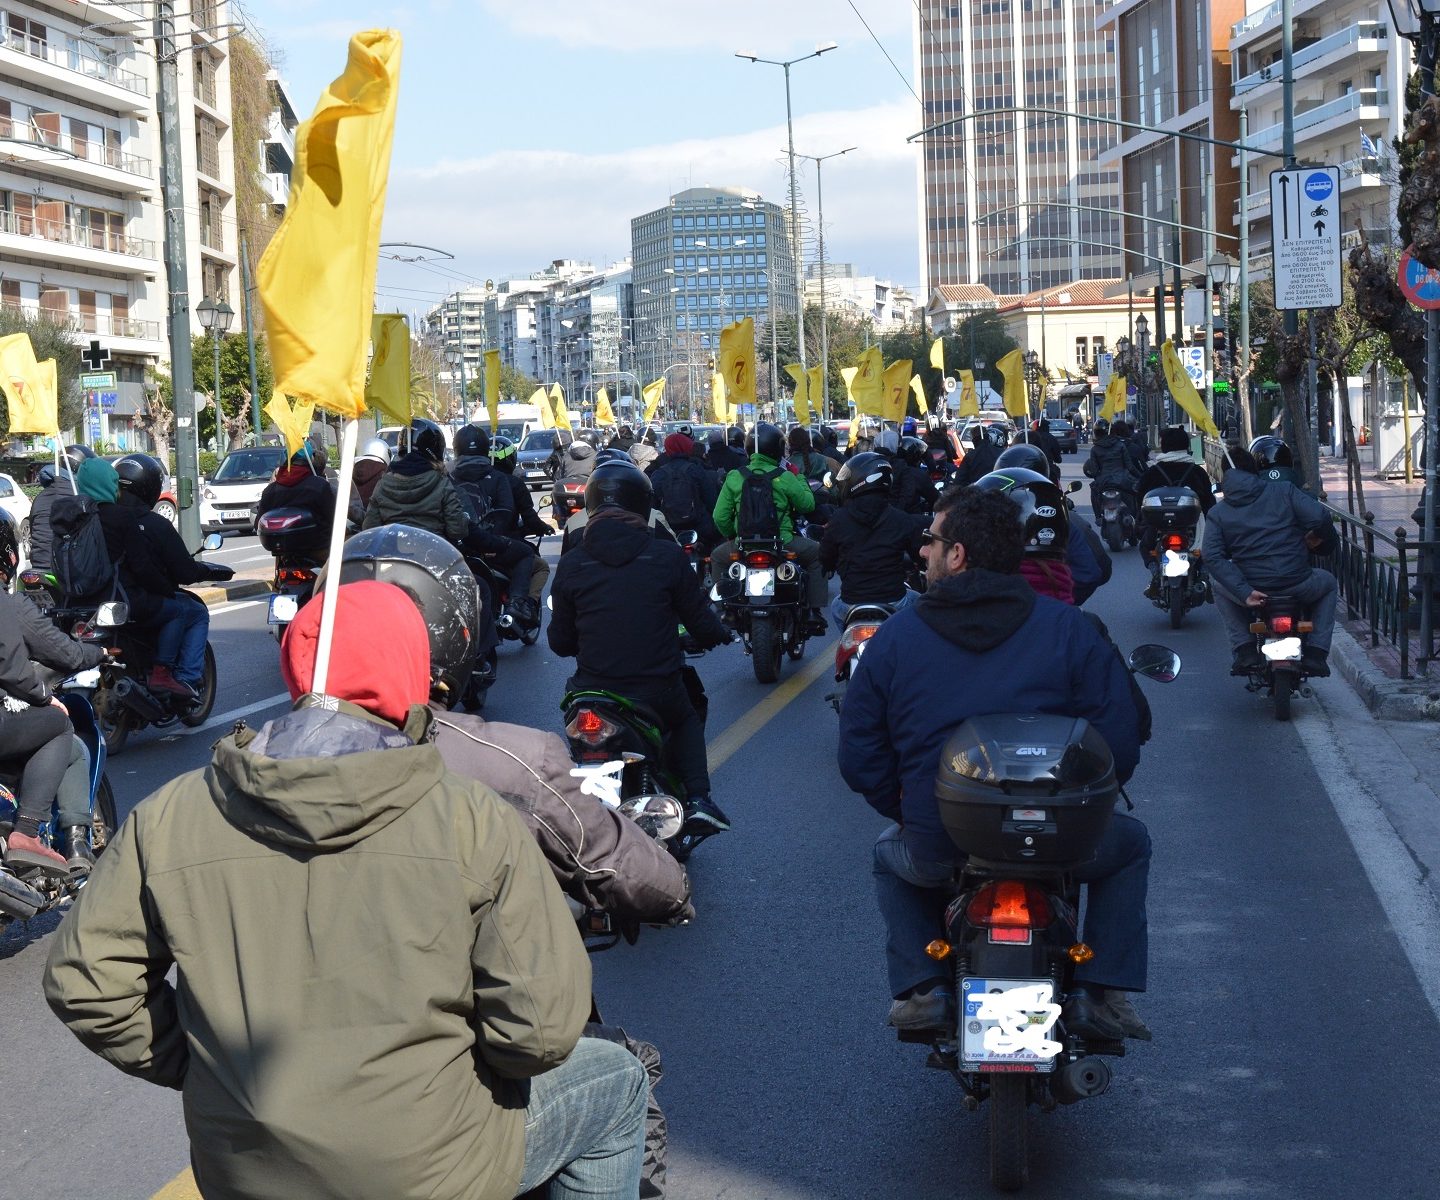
x,y
1221,387
97,381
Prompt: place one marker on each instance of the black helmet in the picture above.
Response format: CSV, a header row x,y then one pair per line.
x,y
687,429
1271,451
1102,427
75,455
471,440
735,437
887,441
433,574
619,485
863,475
502,453
997,434
1024,455
428,438
613,454
912,450
768,441
45,476
9,549
1042,508
141,476
650,437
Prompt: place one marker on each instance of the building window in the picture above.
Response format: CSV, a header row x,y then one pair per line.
x,y
1082,351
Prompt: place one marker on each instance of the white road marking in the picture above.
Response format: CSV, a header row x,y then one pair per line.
x,y
254,558
235,606
229,718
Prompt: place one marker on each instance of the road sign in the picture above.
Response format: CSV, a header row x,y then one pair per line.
x,y
98,380
1105,367
108,400
1192,358
1305,235
1420,283
95,356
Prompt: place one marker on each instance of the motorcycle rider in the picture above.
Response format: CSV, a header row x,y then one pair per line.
x,y
575,466
726,450
791,497
1277,464
153,565
987,443
1018,652
528,522
416,491
1085,556
456,1071
685,492
913,490
871,543
1112,464
1258,541
370,464
53,485
1173,467
301,483
644,453
802,455
617,602
1041,436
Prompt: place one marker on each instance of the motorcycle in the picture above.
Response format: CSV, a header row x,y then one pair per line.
x,y
862,623
510,627
27,892
1117,517
763,599
1178,579
567,498
1028,799
299,545
1280,626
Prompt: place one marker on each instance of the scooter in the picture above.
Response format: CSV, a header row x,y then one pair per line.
x,y
763,598
1117,517
1280,626
298,543
1178,579
861,624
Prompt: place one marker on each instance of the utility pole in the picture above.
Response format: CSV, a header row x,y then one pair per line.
x,y
1287,85
1242,346
819,161
245,289
182,369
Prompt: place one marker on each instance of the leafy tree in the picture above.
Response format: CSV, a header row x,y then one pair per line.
x,y
51,339
848,338
234,407
515,385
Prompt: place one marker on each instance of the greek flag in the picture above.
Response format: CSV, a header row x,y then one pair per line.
x,y
1368,147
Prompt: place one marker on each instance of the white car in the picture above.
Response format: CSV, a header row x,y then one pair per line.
x,y
15,502
228,498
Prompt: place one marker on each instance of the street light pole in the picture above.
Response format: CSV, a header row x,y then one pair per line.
x,y
818,160
799,250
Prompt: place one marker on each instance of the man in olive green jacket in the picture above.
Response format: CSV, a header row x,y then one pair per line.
x,y
379,989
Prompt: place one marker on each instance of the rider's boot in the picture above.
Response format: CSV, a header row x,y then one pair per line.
x,y
82,858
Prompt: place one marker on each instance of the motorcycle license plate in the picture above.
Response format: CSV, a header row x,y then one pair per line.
x,y
1177,564
1006,1024
760,582
283,609
1281,649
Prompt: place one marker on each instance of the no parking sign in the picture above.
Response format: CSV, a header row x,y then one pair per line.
x,y
1421,284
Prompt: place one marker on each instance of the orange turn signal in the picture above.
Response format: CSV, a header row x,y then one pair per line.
x,y
1080,953
938,950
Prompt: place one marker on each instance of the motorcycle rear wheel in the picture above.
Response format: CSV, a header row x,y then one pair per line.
x,y
1281,690
103,822
1009,1161
766,649
1114,539
201,712
1177,605
114,719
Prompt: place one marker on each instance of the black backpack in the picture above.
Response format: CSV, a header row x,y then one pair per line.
x,y
489,501
80,559
758,517
678,496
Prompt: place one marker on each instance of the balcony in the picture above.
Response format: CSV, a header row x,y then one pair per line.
x,y
1365,171
36,60
1352,105
79,246
211,236
277,188
277,134
1364,37
73,157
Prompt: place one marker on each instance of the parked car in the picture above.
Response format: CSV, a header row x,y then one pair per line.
x,y
15,502
532,460
228,498
1064,432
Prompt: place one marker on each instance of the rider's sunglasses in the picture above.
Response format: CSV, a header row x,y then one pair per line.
x,y
929,536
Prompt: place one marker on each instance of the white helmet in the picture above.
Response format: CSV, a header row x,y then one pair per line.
x,y
375,450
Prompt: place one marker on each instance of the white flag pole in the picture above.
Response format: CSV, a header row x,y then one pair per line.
x,y
330,597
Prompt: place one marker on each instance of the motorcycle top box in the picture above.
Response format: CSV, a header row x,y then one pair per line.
x,y
292,531
1027,789
1170,508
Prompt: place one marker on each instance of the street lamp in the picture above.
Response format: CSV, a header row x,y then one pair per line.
x,y
1032,377
1142,334
786,64
456,359
217,319
1220,269
819,161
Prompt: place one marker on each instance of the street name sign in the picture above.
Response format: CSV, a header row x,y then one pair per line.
x,y
97,381
1420,284
1305,234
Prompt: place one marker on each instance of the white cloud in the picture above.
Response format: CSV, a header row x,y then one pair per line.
x,y
774,26
514,211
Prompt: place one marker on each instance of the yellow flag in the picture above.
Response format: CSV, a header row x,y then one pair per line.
x,y
492,388
802,392
540,398
848,375
969,397
557,402
896,396
654,393
1184,391
737,361
1012,365
388,390
868,387
604,415
1115,395
815,390
29,387
720,408
292,420
317,277
937,354
918,387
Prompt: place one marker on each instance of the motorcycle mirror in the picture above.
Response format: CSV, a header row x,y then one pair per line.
x,y
112,614
660,816
688,537
213,541
549,603
1076,485
1159,663
828,480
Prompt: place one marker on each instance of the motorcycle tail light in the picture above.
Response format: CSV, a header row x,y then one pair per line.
x,y
31,579
856,635
1304,626
295,575
84,631
759,558
1282,624
590,727
1174,541
1010,904
279,522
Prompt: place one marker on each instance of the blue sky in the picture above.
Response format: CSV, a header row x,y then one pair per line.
x,y
535,129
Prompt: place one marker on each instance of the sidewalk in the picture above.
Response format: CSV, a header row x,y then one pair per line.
x,y
1390,500
253,581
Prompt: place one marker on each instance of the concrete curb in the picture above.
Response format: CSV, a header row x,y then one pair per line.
x,y
1388,699
236,589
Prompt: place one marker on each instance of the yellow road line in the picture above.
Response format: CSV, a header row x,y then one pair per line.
x,y
723,747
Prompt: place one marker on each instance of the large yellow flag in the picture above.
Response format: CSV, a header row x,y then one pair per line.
x,y
1115,397
492,388
29,387
802,392
896,395
317,277
848,375
868,387
917,385
654,393
815,390
292,420
604,414
1017,403
388,390
720,409
737,361
969,397
540,398
1184,391
557,402
937,354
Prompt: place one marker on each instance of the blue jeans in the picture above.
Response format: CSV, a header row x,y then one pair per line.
x,y
184,625
585,1125
839,607
913,895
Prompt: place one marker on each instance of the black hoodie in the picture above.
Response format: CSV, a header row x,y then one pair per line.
x,y
872,544
618,600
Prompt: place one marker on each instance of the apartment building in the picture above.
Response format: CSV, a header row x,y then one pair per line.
x,y
277,148
582,330
887,305
81,219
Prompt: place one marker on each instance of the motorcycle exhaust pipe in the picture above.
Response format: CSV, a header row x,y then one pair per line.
x,y
139,701
18,900
1083,1079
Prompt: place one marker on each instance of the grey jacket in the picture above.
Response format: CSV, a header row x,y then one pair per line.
x,y
1255,536
41,538
28,637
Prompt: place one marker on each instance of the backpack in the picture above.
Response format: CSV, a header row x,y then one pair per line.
x,y
678,496
489,502
758,516
80,559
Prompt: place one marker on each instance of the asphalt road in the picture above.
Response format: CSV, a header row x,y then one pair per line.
x,y
1293,1048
